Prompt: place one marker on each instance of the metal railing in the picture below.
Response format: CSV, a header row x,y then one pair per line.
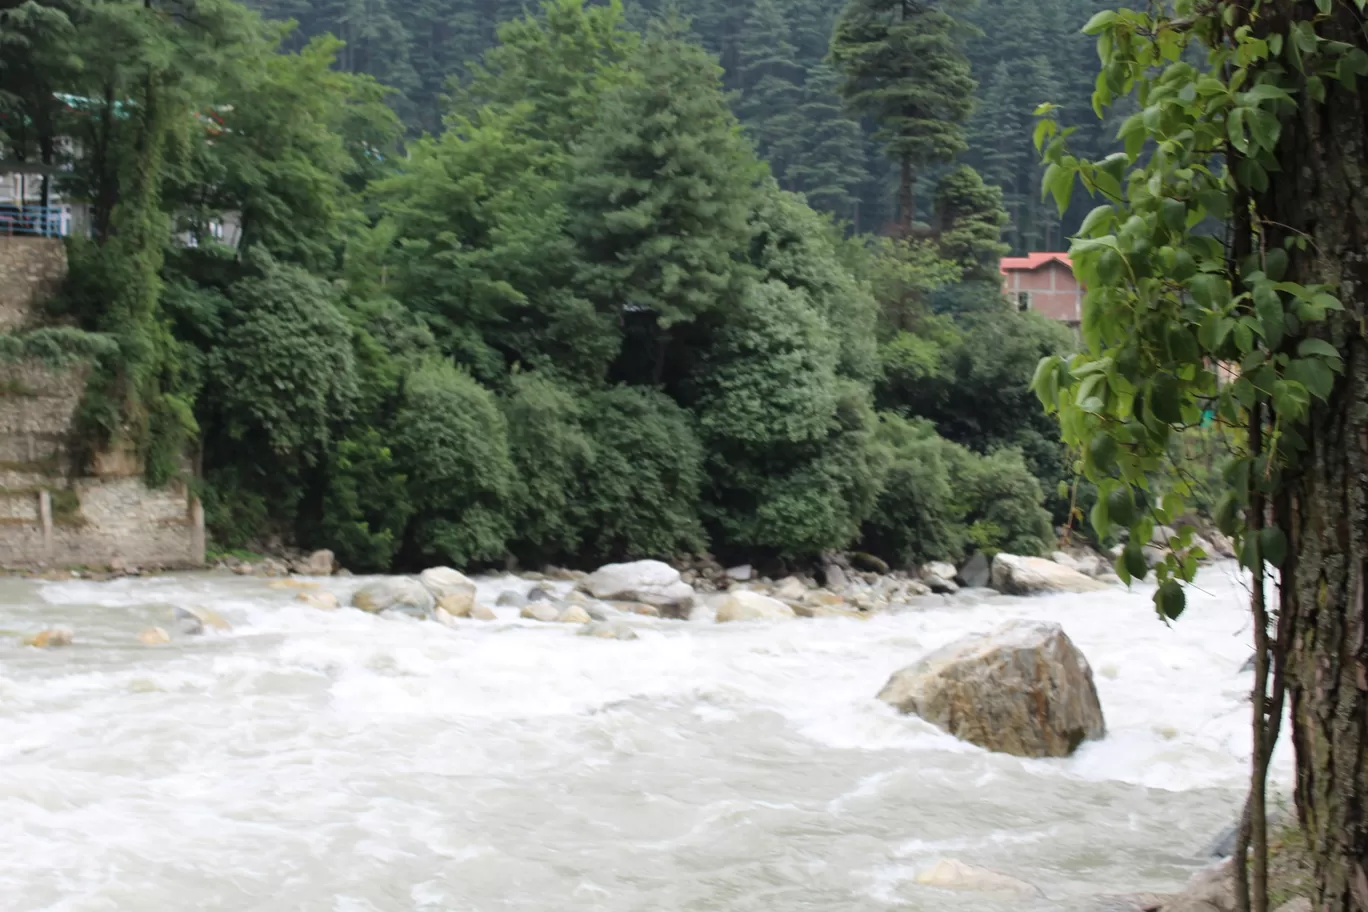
x,y
32,221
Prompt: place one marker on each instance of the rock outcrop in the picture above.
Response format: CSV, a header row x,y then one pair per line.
x,y
1209,890
648,581
743,605
395,593
1023,689
1013,575
320,563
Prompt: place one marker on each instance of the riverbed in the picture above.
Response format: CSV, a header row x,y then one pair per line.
x,y
316,761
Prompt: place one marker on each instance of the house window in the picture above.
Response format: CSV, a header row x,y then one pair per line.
x,y
1023,301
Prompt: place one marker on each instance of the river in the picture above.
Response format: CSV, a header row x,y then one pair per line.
x,y
313,761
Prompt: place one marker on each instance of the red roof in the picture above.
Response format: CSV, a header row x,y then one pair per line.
x,y
1033,261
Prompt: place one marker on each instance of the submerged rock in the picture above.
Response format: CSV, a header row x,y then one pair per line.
x,y
790,589
511,599
575,614
195,621
394,593
939,577
640,608
324,600
1209,890
547,612
1023,689
649,581
451,589
1015,575
950,874
154,636
752,606
48,639
538,594
483,613
608,630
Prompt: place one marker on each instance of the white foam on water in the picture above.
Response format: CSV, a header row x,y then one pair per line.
x,y
330,760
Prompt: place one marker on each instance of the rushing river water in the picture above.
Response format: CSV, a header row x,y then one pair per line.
x,y
313,761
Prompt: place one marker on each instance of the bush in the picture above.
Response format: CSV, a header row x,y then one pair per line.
x,y
553,455
917,517
365,503
641,492
451,440
281,371
1002,503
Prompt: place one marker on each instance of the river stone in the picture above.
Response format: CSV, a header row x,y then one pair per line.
x,y
823,610
650,581
939,577
976,574
458,605
1209,890
394,593
1013,575
640,608
752,606
511,599
741,574
483,613
608,630
320,563
193,621
47,639
325,600
452,589
154,636
546,612
790,589
1132,902
1023,689
538,594
575,614
443,617
1300,904
950,874
834,577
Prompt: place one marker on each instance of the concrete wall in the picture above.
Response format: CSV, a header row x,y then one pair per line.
x,y
1049,289
31,270
54,509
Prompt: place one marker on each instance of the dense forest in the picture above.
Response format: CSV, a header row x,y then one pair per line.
x,y
542,291
782,87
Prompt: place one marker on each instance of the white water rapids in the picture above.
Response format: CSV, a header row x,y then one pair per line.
x,y
314,761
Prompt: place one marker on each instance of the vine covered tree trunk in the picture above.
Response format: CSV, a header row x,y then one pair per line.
x,y
1323,192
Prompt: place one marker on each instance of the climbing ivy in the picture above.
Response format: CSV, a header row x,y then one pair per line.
x,y
1184,322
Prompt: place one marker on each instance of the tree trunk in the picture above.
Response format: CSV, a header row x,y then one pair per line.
x,y
906,201
1323,193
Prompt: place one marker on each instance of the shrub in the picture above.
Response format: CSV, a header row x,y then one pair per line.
x,y
641,492
451,440
917,517
365,504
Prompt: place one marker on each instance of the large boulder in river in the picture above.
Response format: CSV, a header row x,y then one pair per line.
x,y
320,563
1023,689
976,573
1210,890
451,588
647,581
394,593
744,605
1013,575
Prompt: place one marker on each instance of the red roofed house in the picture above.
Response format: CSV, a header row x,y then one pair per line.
x,y
1045,283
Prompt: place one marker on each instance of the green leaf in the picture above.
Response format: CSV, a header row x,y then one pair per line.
x,y
1134,559
1121,506
1170,600
1249,553
1109,267
1173,213
1317,348
1268,306
1323,6
1093,219
1101,522
1228,513
1164,399
1273,543
1102,450
1315,375
1265,128
1099,22
1235,128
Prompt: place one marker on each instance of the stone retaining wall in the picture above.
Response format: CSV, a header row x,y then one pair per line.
x,y
53,511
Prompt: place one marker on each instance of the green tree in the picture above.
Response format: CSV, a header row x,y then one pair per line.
x,y
969,221
828,166
662,190
903,67
771,82
1278,92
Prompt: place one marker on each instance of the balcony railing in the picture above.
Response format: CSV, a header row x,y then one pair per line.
x,y
33,221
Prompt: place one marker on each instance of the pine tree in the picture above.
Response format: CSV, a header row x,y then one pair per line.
x,y
829,169
771,88
969,221
904,69
663,188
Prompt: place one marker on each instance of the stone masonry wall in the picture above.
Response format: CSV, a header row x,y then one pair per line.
x,y
53,511
31,270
